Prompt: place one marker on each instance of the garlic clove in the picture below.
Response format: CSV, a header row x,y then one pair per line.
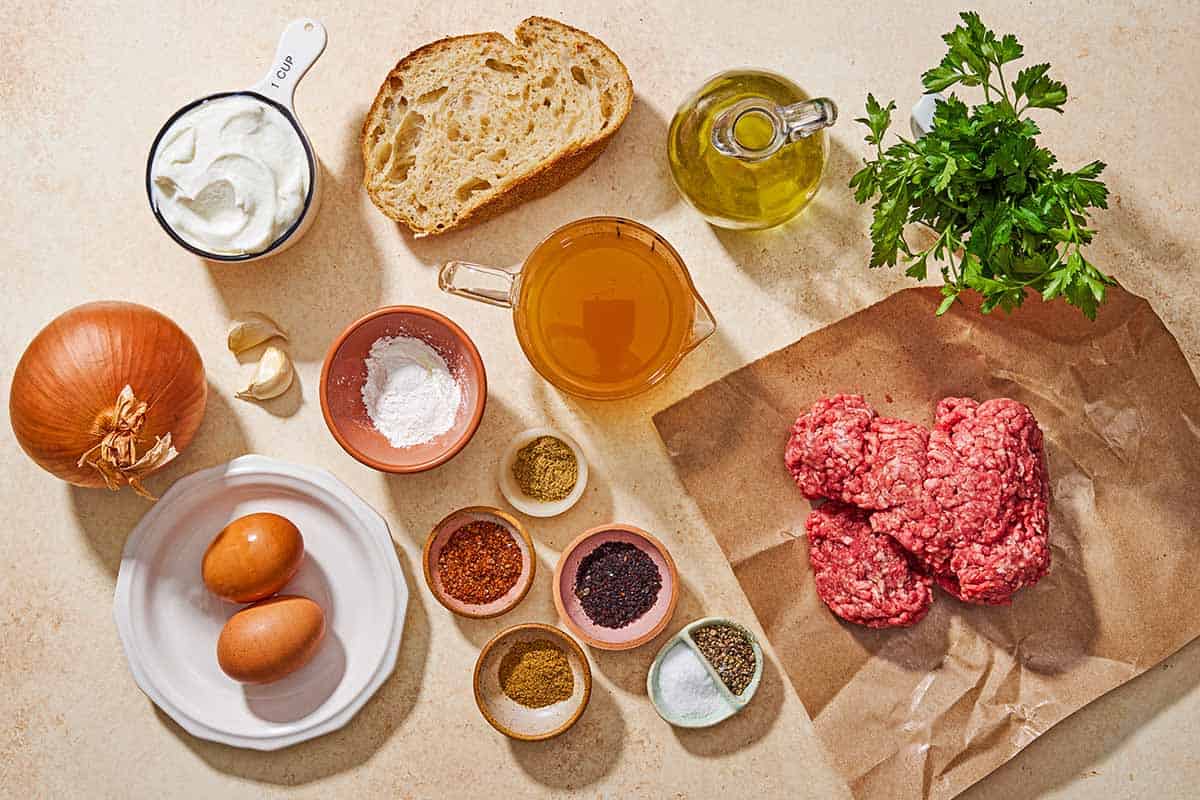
x,y
272,377
252,329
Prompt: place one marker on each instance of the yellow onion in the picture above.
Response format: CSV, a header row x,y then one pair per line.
x,y
106,394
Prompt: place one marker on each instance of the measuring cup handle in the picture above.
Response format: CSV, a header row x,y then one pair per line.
x,y
490,285
301,44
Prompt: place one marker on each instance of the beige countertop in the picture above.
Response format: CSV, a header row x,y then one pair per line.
x,y
82,93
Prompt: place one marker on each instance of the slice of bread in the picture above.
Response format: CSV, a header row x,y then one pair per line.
x,y
467,127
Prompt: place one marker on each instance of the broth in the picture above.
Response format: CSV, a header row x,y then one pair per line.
x,y
604,311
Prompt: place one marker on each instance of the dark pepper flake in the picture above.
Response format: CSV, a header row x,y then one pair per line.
x,y
616,583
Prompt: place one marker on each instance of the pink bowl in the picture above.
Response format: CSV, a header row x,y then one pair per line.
x,y
345,372
642,629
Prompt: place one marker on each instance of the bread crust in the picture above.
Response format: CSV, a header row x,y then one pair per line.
x,y
547,177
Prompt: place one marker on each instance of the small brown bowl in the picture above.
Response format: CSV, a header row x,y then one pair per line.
x,y
441,534
642,629
345,371
510,717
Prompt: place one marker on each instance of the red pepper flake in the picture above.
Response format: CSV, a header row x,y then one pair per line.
x,y
480,563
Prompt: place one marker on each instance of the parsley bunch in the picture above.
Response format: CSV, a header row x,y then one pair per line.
x,y
1006,218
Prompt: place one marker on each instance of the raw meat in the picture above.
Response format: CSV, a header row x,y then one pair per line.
x,y
840,450
864,577
987,472
968,502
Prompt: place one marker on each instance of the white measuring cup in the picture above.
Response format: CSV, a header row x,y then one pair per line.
x,y
301,44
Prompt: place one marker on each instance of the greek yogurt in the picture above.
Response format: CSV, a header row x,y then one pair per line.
x,y
230,176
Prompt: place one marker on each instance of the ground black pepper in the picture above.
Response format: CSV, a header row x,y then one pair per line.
x,y
617,583
730,653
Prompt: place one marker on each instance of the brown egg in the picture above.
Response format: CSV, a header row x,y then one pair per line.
x,y
252,558
270,639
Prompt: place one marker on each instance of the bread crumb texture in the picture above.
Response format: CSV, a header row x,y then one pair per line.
x,y
467,126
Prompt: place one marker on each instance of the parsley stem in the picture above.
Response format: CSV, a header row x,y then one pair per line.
x,y
1003,85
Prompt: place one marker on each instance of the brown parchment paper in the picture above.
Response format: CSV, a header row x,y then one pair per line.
x,y
929,710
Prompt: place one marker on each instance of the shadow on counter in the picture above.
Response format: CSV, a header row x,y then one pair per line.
x,y
743,729
631,179
1077,748
354,744
813,263
324,281
581,756
106,518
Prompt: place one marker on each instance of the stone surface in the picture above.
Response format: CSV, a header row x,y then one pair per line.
x,y
82,93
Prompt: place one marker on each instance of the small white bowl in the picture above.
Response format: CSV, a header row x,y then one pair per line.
x,y
512,490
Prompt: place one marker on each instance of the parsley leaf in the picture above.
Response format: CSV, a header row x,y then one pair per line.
x,y
1008,220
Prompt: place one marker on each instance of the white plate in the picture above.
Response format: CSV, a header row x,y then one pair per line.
x,y
169,622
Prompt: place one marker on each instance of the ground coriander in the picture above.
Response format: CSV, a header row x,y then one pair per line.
x,y
730,653
546,469
536,674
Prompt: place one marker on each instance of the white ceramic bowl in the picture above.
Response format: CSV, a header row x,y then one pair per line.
x,y
512,490
169,622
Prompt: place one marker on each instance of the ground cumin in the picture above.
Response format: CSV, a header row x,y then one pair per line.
x,y
546,469
536,674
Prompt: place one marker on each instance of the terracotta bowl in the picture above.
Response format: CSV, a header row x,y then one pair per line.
x,y
441,534
345,371
642,629
510,717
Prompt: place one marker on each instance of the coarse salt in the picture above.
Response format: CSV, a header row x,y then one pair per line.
x,y
410,393
686,689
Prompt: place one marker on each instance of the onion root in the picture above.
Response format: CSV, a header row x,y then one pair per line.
x,y
116,457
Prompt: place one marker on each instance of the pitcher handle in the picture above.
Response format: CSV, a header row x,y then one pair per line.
x,y
490,285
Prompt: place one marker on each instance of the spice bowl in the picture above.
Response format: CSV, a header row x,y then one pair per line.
x,y
724,703
345,372
512,718
641,629
440,536
511,488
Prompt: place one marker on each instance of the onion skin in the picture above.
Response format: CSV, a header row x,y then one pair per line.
x,y
67,383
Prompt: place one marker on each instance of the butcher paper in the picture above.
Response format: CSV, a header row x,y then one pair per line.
x,y
927,711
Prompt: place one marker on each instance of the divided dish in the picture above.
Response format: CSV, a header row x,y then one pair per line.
x,y
736,702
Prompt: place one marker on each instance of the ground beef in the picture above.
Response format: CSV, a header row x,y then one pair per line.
x,y
841,450
864,577
968,501
987,473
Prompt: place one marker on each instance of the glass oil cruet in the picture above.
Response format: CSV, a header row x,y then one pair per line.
x,y
748,149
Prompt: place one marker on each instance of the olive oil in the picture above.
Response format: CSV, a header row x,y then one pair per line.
x,y
748,149
603,312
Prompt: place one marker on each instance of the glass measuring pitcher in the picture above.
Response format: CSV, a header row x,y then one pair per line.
x,y
603,307
748,149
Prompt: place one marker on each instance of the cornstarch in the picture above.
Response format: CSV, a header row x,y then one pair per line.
x,y
410,394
